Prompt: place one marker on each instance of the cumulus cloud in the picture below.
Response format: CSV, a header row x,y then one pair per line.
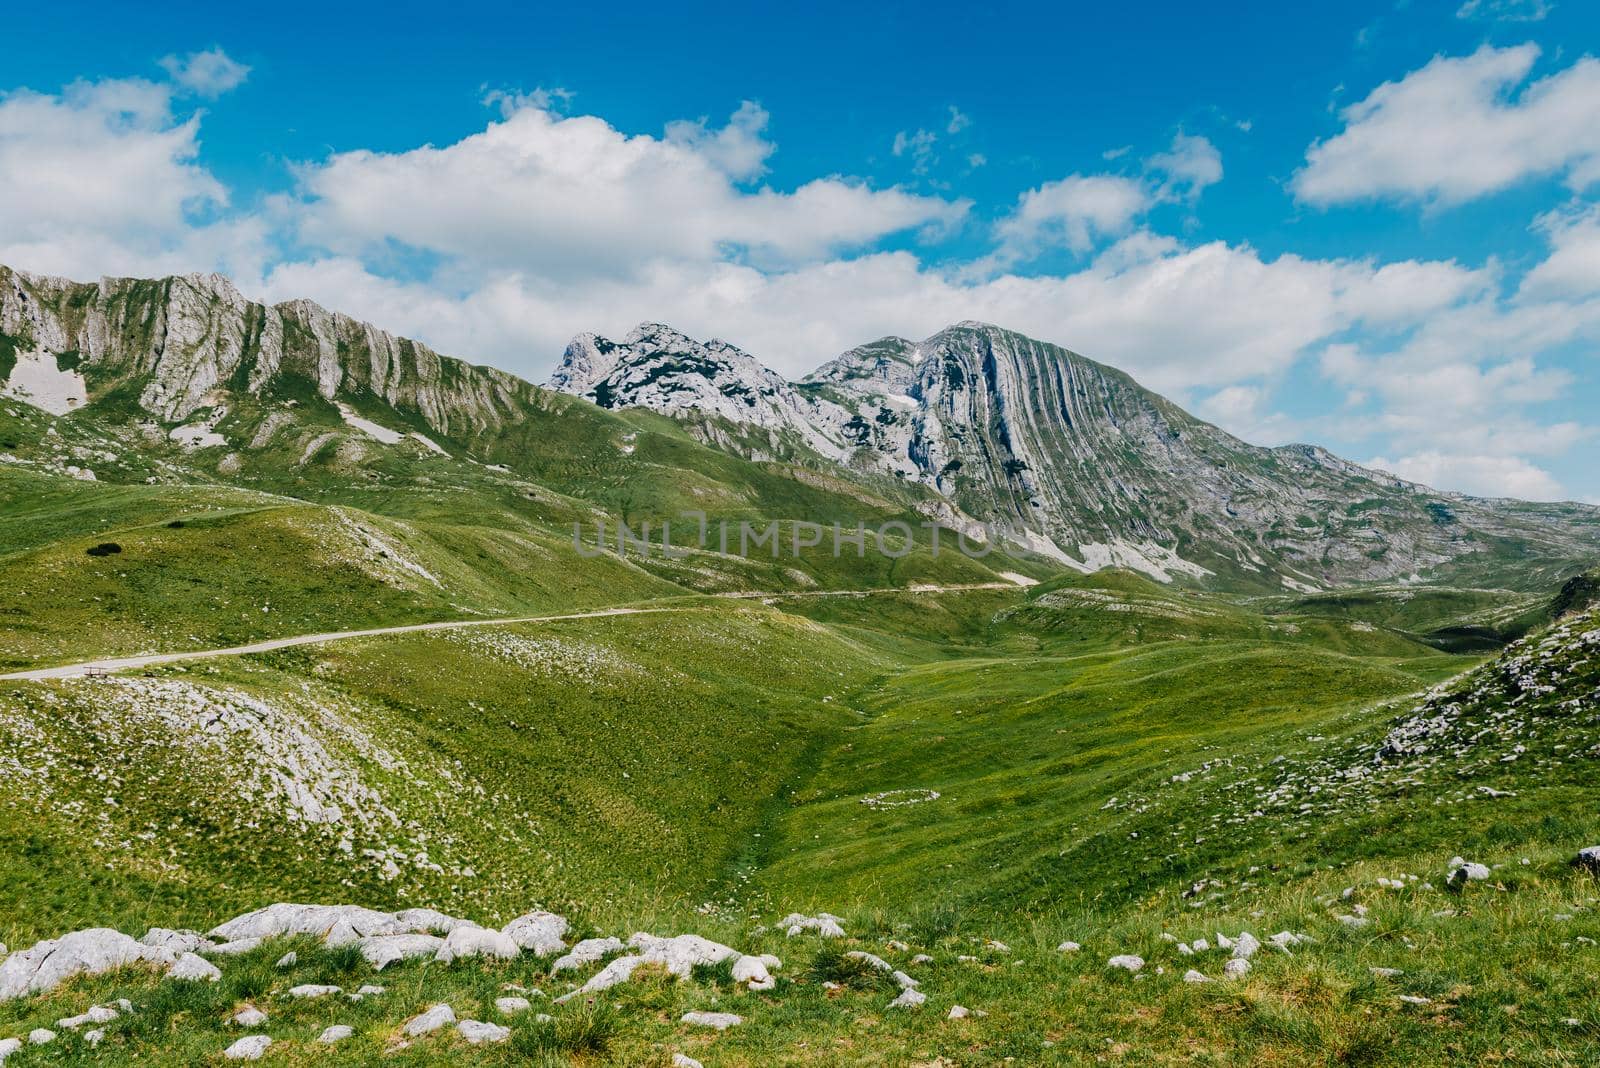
x,y
1484,476
210,73
1073,212
563,197
104,178
1455,130
543,224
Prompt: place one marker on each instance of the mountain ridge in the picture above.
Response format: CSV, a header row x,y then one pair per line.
x,y
1074,459
1027,442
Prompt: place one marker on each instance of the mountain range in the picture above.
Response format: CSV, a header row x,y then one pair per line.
x,y
1060,457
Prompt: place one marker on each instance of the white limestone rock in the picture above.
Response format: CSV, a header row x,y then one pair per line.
x,y
681,954
430,1021
1126,961
339,924
1068,947
336,1033
825,924
41,1036
177,942
753,970
680,1061
1192,976
719,1021
49,963
589,951
477,1032
512,1006
288,960
8,1046
1236,968
463,942
97,1014
193,968
541,933
249,1048
313,990
249,1016
909,998
958,1012
380,951
618,971
235,948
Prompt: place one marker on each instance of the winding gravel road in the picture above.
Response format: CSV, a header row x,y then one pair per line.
x,y
123,663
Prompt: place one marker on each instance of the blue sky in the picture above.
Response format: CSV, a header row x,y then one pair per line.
x,y
1371,225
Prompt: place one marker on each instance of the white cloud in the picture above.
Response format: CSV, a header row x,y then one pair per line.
x,y
919,146
1572,270
1452,131
1485,476
209,73
1073,212
104,178
1505,10
958,121
1192,164
566,197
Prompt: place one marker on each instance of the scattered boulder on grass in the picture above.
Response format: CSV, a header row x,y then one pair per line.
x,y
50,963
754,971
511,1006
910,998
97,1014
680,955
477,1032
1236,968
249,1016
589,951
719,1021
1588,859
1068,947
825,924
1126,961
1192,976
618,971
193,968
313,990
177,942
541,933
41,1036
680,1061
477,942
249,1048
1463,872
380,951
8,1046
288,960
336,1033
430,1021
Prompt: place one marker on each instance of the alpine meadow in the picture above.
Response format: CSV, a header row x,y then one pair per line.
x,y
815,698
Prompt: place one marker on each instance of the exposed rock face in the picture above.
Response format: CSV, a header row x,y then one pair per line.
x,y
719,388
183,342
1074,459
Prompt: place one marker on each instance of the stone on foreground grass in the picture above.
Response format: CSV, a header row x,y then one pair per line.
x,y
478,1032
249,1048
589,951
49,963
1126,961
193,968
541,933
430,1021
511,1006
336,1033
720,1021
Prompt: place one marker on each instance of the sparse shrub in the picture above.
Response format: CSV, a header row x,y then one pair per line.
x,y
105,548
